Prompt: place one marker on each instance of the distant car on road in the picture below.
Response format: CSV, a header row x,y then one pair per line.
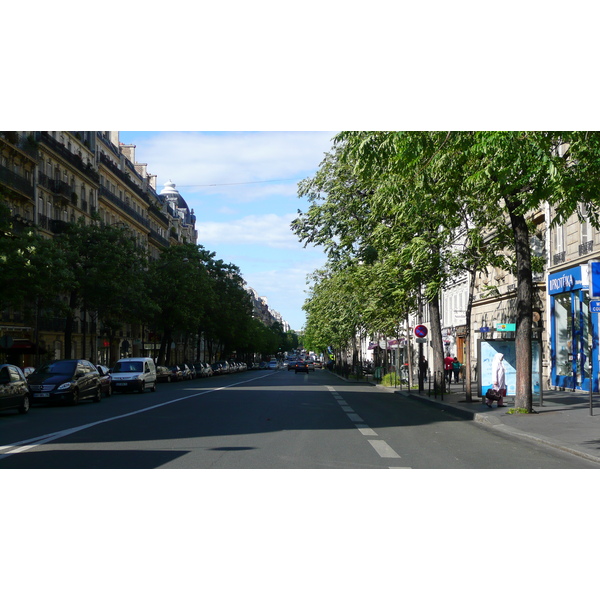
x,y
14,391
301,367
273,364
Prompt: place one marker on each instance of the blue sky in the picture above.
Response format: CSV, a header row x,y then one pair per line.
x,y
242,187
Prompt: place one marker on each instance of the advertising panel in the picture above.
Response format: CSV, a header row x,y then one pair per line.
x,y
487,349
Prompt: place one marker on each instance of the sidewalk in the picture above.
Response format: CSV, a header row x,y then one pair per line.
x,y
563,422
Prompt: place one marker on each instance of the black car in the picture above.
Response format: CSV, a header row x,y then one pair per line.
x,y
301,367
105,379
14,391
68,380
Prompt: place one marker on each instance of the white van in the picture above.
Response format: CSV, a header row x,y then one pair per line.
x,y
133,374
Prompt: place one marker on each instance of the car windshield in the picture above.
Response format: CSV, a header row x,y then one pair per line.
x,y
128,367
58,368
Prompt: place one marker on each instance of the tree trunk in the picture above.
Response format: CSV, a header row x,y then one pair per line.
x,y
468,373
523,398
436,335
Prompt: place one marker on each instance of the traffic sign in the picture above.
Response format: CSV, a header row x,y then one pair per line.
x,y
595,306
420,331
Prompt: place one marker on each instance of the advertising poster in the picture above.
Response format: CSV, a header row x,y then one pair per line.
x,y
489,348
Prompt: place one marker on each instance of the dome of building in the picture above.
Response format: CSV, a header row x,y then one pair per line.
x,y
170,192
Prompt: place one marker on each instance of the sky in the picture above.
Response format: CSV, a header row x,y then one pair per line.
x,y
242,187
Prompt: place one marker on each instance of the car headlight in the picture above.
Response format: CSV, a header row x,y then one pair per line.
x,y
65,386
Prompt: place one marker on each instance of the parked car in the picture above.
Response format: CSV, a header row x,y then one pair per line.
x,y
105,379
186,372
163,374
14,391
263,365
204,369
224,367
68,380
217,368
176,373
134,374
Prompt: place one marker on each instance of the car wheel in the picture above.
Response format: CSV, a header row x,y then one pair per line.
x,y
75,397
24,408
109,391
169,379
98,396
142,387
153,388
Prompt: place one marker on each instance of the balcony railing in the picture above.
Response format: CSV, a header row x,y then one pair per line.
x,y
74,159
51,225
113,168
159,238
15,182
559,258
120,204
586,248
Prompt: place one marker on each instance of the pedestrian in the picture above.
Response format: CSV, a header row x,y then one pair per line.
x,y
423,365
448,362
498,379
456,368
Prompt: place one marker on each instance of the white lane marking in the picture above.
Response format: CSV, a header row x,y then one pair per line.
x,y
364,429
354,417
383,449
25,445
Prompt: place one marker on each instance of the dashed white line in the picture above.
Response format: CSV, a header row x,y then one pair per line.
x,y
383,449
364,429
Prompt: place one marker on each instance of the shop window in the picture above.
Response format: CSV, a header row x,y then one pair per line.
x,y
564,334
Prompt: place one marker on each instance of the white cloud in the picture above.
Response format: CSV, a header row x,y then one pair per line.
x,y
268,230
205,158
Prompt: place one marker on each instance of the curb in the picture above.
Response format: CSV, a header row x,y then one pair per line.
x,y
495,423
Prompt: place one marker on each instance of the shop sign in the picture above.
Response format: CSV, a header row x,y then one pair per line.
x,y
594,271
568,281
506,326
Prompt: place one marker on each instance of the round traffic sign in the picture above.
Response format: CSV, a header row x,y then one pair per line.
x,y
420,331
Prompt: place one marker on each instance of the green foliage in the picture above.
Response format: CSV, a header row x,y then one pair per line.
x,y
391,380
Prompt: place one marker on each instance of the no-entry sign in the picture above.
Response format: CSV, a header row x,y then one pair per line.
x,y
420,331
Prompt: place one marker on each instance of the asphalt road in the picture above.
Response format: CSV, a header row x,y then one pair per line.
x,y
261,420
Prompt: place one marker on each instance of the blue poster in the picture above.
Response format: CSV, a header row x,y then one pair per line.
x,y
489,348
594,280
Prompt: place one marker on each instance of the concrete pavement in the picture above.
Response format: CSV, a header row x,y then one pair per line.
x,y
563,421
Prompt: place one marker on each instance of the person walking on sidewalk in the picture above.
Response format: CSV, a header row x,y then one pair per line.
x,y
456,368
448,362
498,378
423,365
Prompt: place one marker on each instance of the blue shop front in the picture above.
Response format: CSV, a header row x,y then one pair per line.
x,y
572,340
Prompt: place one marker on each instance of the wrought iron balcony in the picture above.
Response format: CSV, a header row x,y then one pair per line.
x,y
559,258
586,248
